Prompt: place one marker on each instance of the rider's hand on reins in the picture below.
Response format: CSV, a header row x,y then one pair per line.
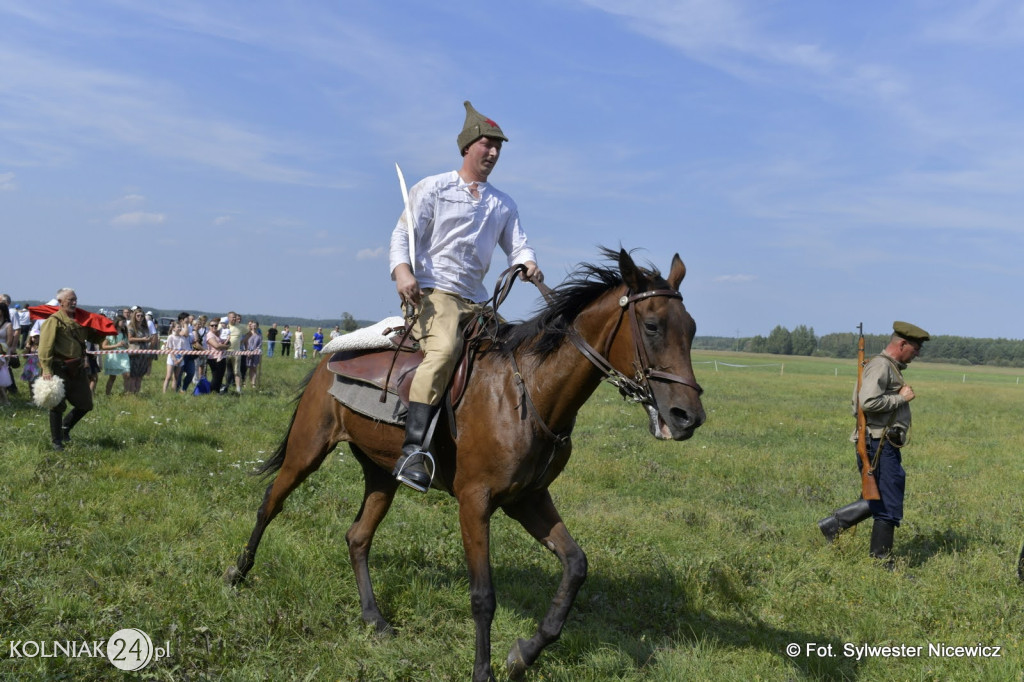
x,y
407,286
531,273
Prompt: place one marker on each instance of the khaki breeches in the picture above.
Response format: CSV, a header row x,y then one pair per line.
x,y
443,317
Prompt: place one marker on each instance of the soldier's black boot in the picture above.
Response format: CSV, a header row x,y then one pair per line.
x,y
844,518
881,541
411,468
69,423
56,431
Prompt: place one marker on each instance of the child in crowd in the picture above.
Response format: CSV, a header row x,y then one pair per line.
x,y
30,360
177,339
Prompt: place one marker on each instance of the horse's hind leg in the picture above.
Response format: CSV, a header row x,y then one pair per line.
x,y
302,454
378,493
539,517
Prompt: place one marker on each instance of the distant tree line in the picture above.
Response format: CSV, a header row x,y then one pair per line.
x,y
802,340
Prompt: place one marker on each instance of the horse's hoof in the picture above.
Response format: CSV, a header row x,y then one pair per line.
x,y
233,576
515,663
383,629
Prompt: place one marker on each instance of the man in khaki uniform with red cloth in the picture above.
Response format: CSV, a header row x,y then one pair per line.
x,y
62,338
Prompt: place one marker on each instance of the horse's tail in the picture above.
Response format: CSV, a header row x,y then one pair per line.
x,y
276,460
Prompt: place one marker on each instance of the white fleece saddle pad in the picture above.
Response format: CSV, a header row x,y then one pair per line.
x,y
367,338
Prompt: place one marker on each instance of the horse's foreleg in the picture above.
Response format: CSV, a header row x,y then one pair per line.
x,y
539,517
300,461
379,492
475,521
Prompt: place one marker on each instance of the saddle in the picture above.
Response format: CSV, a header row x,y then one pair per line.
x,y
374,367
391,369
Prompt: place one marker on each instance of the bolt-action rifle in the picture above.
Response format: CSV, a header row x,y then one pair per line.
x,y
868,484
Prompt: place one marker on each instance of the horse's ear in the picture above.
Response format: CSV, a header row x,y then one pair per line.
x,y
631,275
677,273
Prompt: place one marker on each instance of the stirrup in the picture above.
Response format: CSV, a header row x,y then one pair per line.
x,y
399,472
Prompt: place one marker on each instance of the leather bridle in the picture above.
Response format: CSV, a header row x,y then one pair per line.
x,y
637,388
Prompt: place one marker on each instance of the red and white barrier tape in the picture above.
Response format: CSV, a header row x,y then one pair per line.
x,y
163,351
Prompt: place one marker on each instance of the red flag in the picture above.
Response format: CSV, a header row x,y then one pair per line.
x,y
83,317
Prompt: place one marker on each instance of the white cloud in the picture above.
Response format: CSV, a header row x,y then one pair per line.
x,y
223,219
128,201
138,219
83,105
983,22
370,254
7,182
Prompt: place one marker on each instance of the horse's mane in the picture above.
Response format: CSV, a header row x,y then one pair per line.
x,y
544,333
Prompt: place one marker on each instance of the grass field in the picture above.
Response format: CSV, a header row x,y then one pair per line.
x,y
705,560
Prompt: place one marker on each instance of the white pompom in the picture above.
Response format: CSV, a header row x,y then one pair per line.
x,y
47,393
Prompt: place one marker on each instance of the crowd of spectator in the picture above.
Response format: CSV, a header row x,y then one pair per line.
x,y
200,355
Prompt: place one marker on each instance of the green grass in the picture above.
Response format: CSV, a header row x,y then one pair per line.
x,y
705,561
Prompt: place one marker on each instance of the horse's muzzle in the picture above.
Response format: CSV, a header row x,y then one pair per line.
x,y
680,425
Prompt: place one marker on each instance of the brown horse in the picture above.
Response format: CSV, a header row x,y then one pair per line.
x,y
512,435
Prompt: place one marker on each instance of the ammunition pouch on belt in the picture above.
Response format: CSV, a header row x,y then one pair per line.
x,y
69,368
896,435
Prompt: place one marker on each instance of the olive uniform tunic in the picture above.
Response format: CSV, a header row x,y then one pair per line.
x,y
62,353
887,415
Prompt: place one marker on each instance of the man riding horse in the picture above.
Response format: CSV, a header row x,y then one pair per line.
x,y
438,263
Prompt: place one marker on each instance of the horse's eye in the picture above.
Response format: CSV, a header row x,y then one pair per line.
x,y
651,327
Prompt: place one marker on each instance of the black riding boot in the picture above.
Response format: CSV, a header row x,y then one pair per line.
x,y
73,418
56,430
411,466
844,518
881,541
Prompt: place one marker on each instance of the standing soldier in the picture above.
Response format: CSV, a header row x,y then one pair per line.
x,y
885,399
62,340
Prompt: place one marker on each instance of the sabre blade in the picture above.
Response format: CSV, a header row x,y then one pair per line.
x,y
408,219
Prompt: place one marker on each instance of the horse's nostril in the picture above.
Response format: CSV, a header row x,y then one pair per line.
x,y
680,416
684,418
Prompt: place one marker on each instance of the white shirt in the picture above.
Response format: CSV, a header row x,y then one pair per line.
x,y
456,234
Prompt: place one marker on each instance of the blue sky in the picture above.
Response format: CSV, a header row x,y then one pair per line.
x,y
813,163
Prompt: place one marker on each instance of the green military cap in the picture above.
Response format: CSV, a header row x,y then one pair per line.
x,y
476,126
910,332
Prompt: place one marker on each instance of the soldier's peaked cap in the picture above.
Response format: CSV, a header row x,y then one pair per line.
x,y
910,332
